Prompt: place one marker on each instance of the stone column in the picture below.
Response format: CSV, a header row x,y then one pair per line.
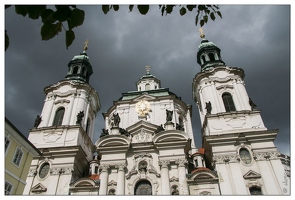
x,y
183,188
121,179
70,109
46,114
165,177
104,174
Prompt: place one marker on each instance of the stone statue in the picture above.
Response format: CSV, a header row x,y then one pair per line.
x,y
253,105
104,132
159,129
169,114
37,121
116,119
80,116
180,125
208,107
124,132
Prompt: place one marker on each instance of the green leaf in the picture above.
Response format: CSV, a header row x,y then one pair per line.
x,y
169,8
197,19
201,7
163,10
202,23
62,13
212,16
48,30
205,18
21,10
191,7
6,40
105,8
35,11
70,37
116,7
131,8
143,9
182,11
77,18
46,16
219,13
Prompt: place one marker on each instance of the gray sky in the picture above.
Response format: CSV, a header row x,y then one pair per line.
x,y
253,37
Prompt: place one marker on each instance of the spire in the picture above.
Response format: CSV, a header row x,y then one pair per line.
x,y
79,68
148,68
209,54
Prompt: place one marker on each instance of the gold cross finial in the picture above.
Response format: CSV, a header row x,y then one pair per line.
x,y
86,45
148,68
202,35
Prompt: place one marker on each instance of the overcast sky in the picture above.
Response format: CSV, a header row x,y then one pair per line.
x,y
255,38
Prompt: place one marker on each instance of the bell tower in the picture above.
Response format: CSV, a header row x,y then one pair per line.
x,y
237,144
64,131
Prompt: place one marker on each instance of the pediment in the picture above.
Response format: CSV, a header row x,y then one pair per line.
x,y
112,140
146,97
141,125
142,131
39,188
251,174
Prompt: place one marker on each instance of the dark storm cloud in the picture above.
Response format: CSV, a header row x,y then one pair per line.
x,y
255,38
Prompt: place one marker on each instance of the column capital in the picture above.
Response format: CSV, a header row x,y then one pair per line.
x,y
164,163
181,162
104,168
120,167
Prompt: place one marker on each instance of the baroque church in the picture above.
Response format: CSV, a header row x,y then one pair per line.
x,y
147,145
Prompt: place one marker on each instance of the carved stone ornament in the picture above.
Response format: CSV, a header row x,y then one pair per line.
x,y
225,159
104,168
32,173
266,156
181,162
164,163
112,183
120,167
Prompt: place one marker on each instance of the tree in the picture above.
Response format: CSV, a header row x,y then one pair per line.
x,y
54,20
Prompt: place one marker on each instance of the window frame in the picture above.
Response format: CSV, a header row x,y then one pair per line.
x,y
227,105
7,145
6,189
58,122
17,157
41,168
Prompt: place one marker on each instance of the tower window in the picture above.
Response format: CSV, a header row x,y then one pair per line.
x,y
147,86
75,71
211,56
44,170
245,156
203,59
88,126
58,117
228,102
255,190
96,169
84,71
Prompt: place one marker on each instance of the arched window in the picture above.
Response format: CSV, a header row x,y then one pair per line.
x,y
203,59
44,170
83,71
88,126
75,70
147,86
59,115
245,156
228,102
143,188
255,190
211,57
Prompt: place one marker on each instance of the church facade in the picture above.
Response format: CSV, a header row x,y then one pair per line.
x,y
147,145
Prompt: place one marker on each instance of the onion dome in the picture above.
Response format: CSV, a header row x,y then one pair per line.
x,y
209,54
79,68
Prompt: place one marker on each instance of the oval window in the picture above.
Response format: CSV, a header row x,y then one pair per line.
x,y
245,156
44,170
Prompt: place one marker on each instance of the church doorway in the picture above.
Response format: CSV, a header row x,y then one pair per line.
x,y
143,187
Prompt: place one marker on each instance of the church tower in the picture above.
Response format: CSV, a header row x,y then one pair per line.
x,y
237,144
64,131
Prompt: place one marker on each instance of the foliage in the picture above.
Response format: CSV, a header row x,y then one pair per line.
x,y
54,20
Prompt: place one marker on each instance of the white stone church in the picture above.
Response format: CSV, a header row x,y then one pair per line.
x,y
147,144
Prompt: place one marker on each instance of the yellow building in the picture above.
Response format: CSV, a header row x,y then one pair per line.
x,y
19,152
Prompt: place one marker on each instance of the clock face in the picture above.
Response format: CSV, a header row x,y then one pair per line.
x,y
142,107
